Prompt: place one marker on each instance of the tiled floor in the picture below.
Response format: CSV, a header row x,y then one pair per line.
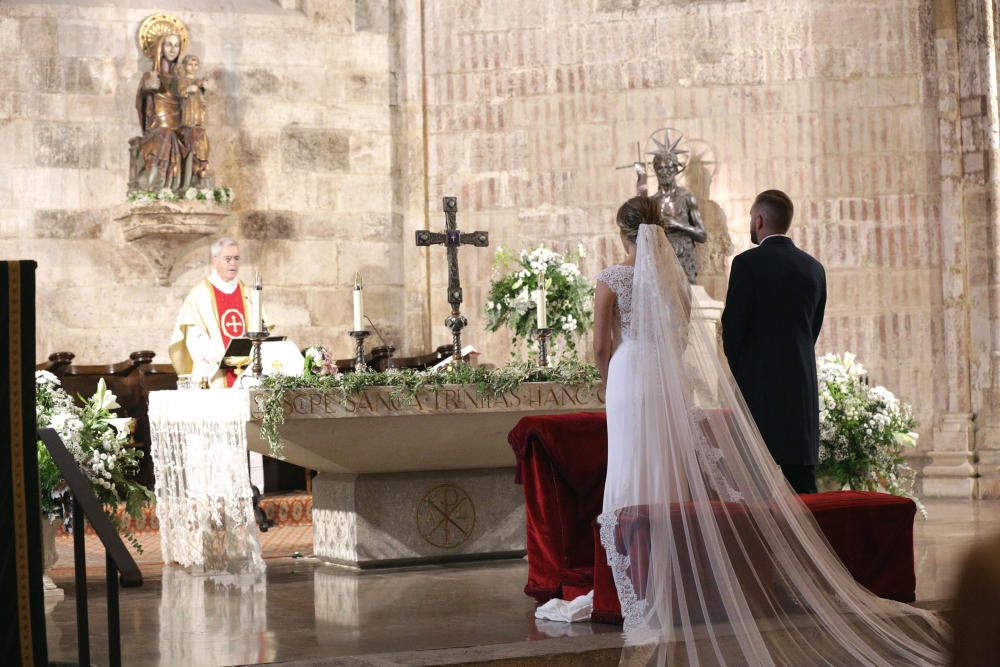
x,y
305,610
278,542
943,538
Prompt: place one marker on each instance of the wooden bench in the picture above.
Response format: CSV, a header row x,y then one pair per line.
x,y
130,380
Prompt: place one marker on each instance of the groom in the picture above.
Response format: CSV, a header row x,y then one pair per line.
x,y
774,311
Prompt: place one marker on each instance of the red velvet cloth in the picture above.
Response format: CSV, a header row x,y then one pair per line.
x,y
872,533
561,462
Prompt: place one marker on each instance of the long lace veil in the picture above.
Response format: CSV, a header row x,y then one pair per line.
x,y
716,560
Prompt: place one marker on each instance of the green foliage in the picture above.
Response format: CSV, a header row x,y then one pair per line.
x,y
569,297
407,383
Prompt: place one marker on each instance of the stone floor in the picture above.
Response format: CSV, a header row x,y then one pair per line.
x,y
314,614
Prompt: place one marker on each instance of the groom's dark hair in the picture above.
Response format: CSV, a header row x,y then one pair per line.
x,y
777,209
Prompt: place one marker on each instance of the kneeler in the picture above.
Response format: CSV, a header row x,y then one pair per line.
x,y
872,533
561,462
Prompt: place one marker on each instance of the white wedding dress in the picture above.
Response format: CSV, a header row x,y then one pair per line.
x,y
715,559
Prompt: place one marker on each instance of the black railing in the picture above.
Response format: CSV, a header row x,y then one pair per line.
x,y
119,564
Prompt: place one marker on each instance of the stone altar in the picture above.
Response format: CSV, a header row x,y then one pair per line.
x,y
426,481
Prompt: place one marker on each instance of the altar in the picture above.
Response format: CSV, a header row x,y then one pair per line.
x,y
402,480
430,479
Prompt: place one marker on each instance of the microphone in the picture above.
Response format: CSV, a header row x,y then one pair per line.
x,y
388,347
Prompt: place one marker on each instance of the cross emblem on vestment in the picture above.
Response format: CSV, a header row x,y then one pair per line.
x,y
233,324
452,238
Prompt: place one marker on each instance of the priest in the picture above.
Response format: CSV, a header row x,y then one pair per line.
x,y
215,311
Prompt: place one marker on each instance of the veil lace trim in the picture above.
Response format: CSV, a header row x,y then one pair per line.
x,y
632,609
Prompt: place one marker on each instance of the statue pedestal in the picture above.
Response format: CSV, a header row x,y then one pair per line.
x,y
706,312
706,321
161,231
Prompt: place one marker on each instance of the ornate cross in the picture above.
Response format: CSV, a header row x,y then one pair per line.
x,y
451,238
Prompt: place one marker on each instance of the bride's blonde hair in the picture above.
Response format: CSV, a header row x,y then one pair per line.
x,y
635,212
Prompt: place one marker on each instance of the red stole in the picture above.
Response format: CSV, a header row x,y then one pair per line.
x,y
231,311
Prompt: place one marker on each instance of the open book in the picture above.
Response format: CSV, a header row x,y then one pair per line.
x,y
466,351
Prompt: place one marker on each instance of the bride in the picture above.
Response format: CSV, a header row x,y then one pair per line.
x,y
715,559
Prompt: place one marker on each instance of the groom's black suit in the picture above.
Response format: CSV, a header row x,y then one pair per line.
x,y
774,311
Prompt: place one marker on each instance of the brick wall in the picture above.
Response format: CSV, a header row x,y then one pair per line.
x,y
533,105
341,124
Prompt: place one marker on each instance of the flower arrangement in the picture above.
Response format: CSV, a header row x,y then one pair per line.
x,y
569,296
318,362
863,430
218,195
100,443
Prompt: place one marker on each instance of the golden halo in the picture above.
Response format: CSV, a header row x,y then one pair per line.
x,y
158,25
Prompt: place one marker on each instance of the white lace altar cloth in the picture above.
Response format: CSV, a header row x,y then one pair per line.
x,y
203,498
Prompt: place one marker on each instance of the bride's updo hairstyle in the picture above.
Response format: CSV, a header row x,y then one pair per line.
x,y
635,212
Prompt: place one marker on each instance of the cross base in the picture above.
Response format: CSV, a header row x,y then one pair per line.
x,y
456,322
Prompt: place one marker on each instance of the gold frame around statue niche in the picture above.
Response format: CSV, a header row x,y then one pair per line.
x,y
157,25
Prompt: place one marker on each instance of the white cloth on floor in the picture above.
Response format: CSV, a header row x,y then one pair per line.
x,y
567,612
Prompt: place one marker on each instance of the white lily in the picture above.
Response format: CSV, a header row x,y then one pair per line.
x,y
45,377
122,425
104,398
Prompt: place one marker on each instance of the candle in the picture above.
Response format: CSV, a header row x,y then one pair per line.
x,y
540,301
358,303
256,310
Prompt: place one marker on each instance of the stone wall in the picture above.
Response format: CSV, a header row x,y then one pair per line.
x,y
342,123
532,106
300,128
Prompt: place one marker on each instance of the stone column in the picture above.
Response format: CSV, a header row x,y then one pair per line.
x,y
951,472
706,320
988,431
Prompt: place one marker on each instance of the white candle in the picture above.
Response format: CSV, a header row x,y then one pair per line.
x,y
540,301
358,303
256,310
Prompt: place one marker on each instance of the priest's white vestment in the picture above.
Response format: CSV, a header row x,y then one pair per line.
x,y
197,343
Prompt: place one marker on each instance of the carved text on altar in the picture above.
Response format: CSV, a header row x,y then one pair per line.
x,y
442,400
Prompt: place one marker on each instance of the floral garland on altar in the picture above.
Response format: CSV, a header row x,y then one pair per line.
x,y
407,383
863,431
99,441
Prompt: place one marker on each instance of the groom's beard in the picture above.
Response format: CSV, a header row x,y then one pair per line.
x,y
753,236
